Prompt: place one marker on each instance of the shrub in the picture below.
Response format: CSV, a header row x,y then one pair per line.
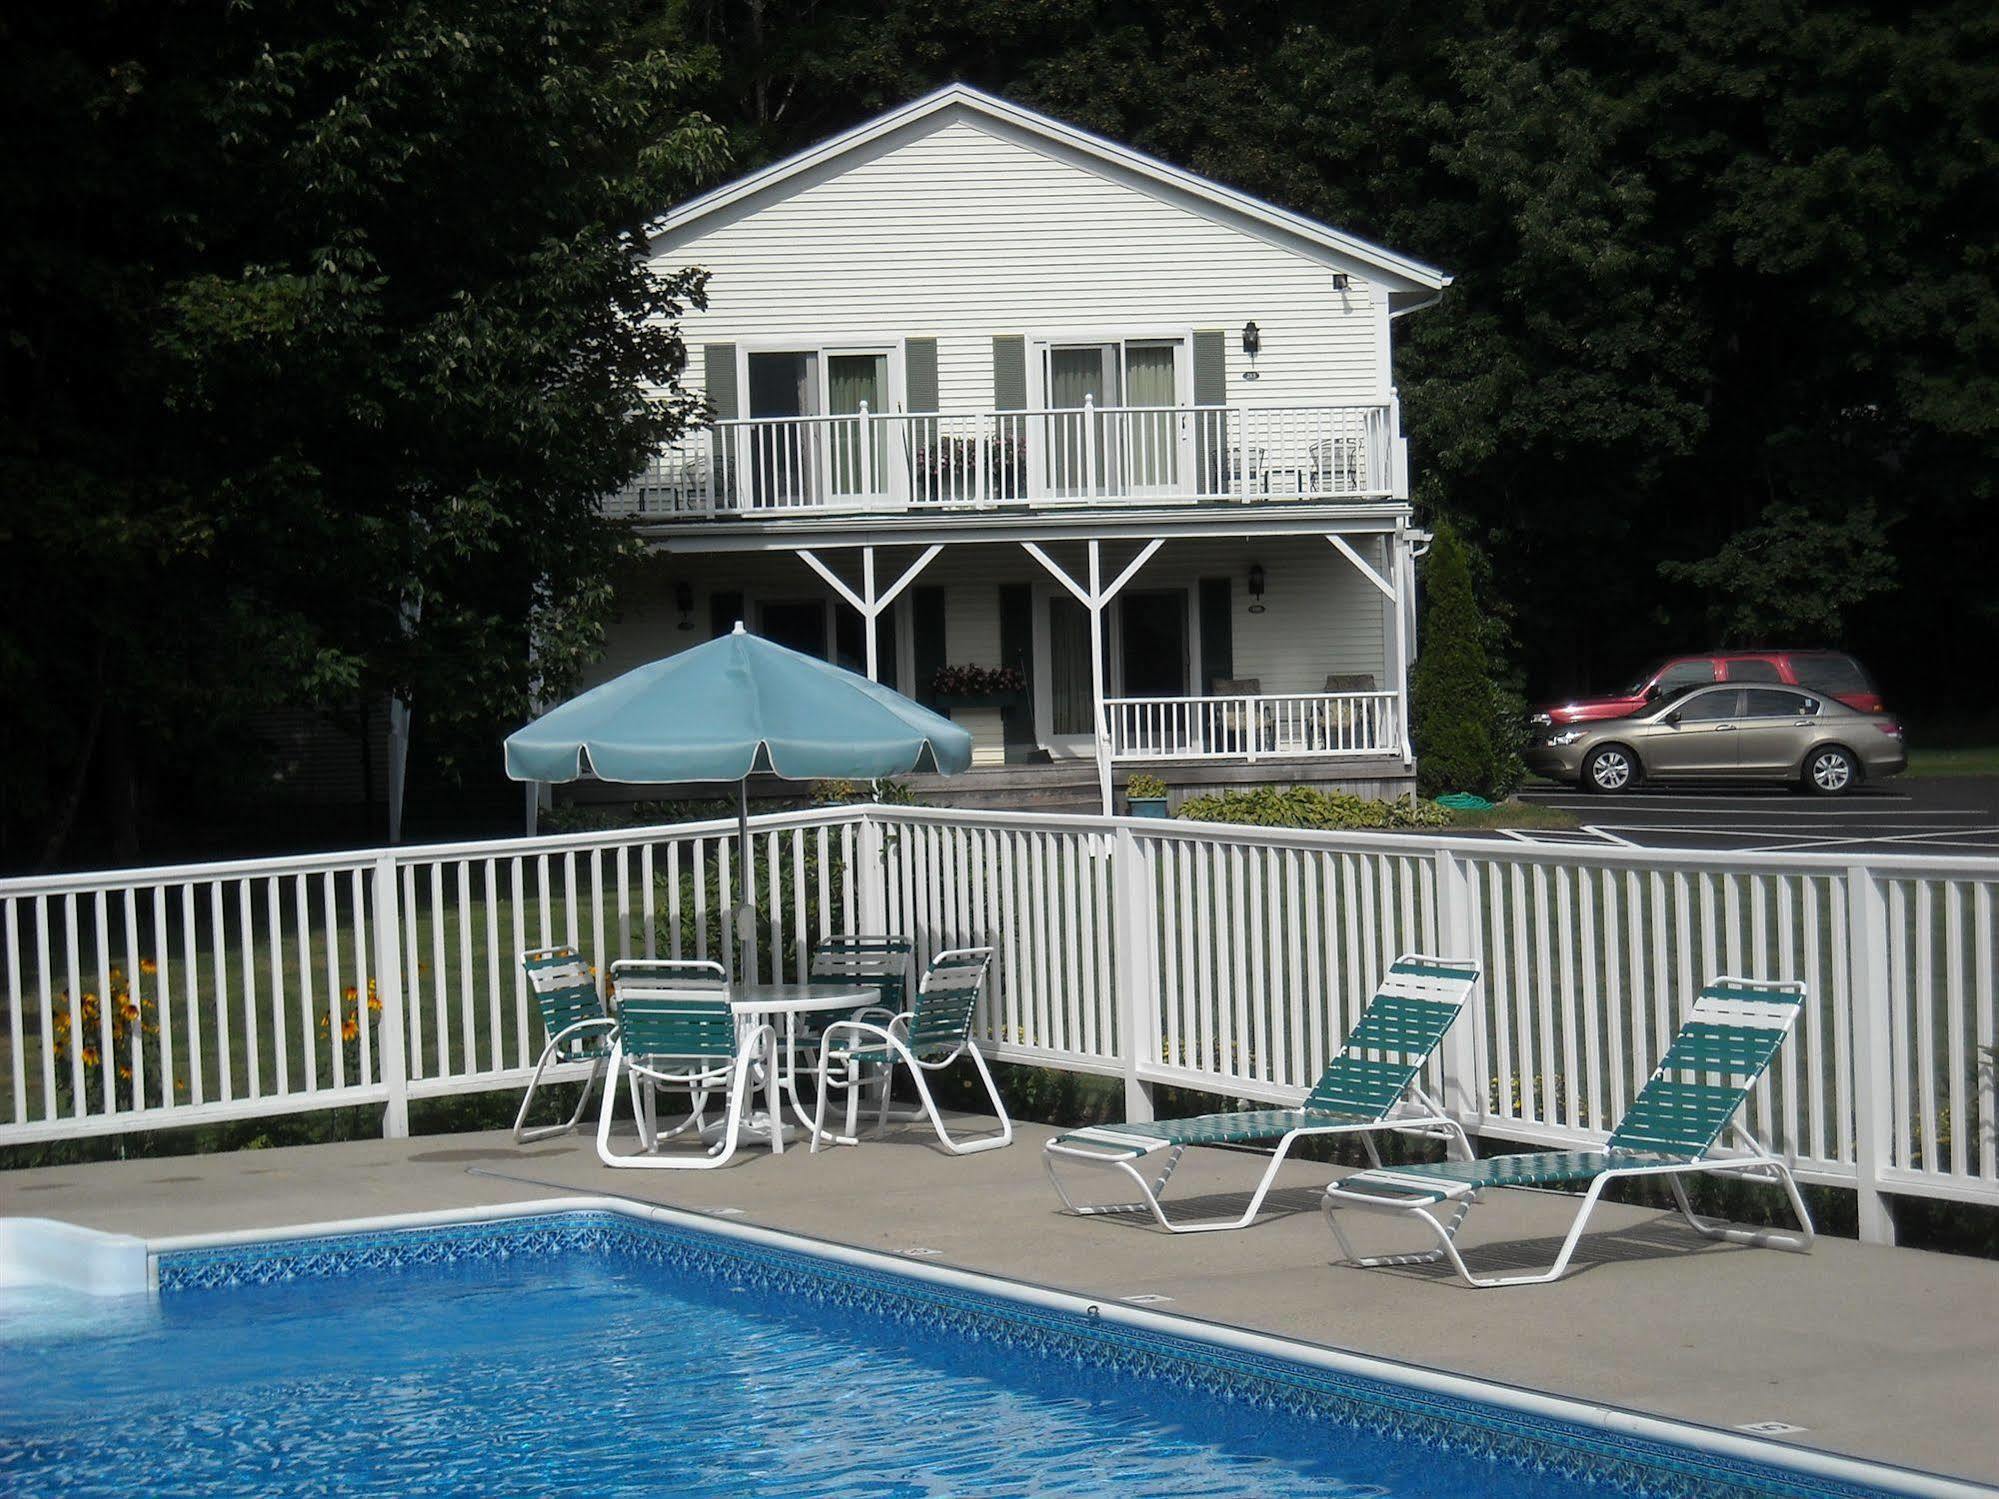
x,y
1309,807
1460,742
1145,787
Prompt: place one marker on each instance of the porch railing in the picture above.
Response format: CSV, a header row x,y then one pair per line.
x,y
1088,455
1225,959
1253,727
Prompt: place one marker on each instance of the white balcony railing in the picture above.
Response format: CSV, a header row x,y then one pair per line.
x,y
996,459
1252,727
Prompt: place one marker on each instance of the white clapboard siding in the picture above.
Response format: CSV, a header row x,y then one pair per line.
x,y
968,228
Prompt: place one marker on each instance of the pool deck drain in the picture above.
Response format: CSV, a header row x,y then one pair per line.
x,y
1890,1354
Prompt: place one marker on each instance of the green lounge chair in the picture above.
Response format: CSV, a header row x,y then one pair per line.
x,y
677,1031
925,1039
1734,1030
1370,1085
577,1026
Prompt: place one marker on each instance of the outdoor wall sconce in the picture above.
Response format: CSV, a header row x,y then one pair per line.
x,y
1252,342
1341,280
1256,588
683,600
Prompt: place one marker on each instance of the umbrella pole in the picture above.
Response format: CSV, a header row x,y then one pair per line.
x,y
746,918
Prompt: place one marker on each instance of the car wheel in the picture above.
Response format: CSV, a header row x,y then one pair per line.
x,y
1610,770
1831,771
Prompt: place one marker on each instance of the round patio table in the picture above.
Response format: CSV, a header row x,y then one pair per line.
x,y
780,1005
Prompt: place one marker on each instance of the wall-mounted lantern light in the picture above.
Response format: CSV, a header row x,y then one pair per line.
x,y
1252,343
1256,588
683,600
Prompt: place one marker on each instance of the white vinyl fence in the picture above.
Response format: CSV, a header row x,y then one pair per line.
x,y
1230,960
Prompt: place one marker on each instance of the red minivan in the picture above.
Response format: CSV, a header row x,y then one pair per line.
x,y
1831,672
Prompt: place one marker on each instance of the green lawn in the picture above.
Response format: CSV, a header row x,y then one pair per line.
x,y
1514,813
1968,760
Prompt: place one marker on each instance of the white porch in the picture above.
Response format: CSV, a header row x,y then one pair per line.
x,y
1129,649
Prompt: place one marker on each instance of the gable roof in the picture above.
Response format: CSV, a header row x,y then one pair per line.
x,y
1398,272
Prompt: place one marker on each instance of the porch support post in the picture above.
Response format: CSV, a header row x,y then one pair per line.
x,y
867,601
1097,673
869,614
1398,560
1094,598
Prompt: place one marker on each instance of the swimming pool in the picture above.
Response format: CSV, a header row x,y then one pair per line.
x,y
603,1351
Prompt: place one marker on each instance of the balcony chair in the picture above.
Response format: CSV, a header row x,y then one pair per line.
x,y
925,1039
577,1027
1669,1131
1369,1086
1241,727
678,1032
1344,717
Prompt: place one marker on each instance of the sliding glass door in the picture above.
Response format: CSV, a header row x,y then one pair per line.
x,y
1134,442
858,464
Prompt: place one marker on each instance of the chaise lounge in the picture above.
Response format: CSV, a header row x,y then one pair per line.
x,y
1369,1086
1733,1032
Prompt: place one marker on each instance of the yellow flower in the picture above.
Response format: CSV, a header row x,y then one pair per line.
x,y
350,993
90,1056
350,1028
374,1004
131,1011
148,967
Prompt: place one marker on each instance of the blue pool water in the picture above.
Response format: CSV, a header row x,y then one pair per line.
x,y
590,1354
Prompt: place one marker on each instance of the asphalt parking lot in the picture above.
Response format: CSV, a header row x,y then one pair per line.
x,y
1944,815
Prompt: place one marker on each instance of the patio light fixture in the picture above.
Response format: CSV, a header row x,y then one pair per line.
x,y
683,600
1256,588
1252,343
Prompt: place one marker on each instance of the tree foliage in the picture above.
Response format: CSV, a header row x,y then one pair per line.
x,y
1455,708
326,329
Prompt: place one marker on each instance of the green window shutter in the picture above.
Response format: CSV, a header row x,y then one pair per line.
x,y
926,628
1211,388
724,609
1211,367
1217,633
718,369
1010,372
1016,630
919,366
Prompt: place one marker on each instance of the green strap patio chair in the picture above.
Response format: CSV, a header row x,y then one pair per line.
x,y
678,1032
878,963
927,1038
1370,1085
1670,1131
577,1027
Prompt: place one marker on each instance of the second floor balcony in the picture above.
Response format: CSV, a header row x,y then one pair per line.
x,y
864,462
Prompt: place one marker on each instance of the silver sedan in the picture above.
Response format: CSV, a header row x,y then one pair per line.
x,y
1726,733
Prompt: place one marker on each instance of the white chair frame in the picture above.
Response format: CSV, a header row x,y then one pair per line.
x,y
697,1077
894,1037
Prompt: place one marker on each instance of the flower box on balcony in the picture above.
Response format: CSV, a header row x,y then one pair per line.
x,y
944,702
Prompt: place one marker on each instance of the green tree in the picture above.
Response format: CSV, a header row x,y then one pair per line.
x,y
327,326
1455,712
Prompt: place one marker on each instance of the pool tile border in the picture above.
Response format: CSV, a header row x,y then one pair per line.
x,y
1620,1462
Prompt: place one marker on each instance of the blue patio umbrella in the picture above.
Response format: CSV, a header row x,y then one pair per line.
x,y
731,708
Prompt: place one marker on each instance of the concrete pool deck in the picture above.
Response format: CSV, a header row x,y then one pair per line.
x,y
1890,1354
